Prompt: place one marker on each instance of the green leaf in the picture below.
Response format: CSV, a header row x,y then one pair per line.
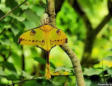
x,y
92,71
32,17
17,27
43,61
109,71
52,65
8,65
88,82
2,73
12,77
1,13
40,60
31,83
62,69
40,9
26,75
2,84
57,81
109,58
11,3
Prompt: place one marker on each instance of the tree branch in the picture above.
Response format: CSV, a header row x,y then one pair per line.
x,y
69,52
82,14
22,81
102,24
106,18
76,64
34,78
12,10
51,11
58,5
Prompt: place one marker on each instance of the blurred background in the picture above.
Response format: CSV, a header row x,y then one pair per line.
x,y
19,65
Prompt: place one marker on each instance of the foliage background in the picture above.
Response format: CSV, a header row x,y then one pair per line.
x,y
12,67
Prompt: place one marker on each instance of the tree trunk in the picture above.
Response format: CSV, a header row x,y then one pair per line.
x,y
87,59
